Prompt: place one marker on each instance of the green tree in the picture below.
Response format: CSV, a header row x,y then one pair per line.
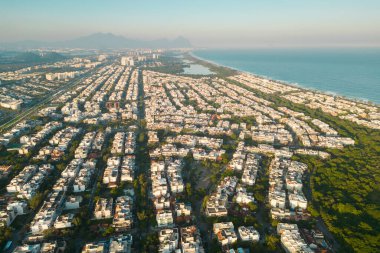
x,y
141,137
109,231
272,242
5,233
142,216
188,189
35,201
252,207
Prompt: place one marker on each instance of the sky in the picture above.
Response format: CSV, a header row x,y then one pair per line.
x,y
206,23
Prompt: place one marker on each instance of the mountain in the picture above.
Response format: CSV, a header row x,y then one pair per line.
x,y
100,41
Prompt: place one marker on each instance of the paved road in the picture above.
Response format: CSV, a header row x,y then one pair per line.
x,y
48,98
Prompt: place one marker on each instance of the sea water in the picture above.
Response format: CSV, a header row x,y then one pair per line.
x,y
354,73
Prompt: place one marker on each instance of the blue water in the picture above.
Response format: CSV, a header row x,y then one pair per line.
x,y
353,73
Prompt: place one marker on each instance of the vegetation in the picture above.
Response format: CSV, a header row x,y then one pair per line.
x,y
219,70
11,60
5,234
35,202
170,65
345,189
150,243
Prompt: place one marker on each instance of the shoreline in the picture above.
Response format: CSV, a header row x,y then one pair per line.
x,y
295,85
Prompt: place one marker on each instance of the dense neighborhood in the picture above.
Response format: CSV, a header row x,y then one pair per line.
x,y
115,156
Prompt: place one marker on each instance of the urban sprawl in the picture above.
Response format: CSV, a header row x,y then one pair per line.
x,y
121,152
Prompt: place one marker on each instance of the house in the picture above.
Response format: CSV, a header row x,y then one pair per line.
x,y
162,202
73,202
64,221
182,211
25,248
122,218
48,213
291,239
225,233
94,247
248,234
168,240
164,218
121,243
103,208
191,240
52,247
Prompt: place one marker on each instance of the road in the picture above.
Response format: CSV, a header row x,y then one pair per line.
x,y
48,98
18,236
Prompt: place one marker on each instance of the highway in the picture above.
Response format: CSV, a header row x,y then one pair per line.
x,y
47,99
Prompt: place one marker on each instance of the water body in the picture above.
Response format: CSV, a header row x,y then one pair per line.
x,y
353,73
196,69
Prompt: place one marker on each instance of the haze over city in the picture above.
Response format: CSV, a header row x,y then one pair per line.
x,y
215,24
199,126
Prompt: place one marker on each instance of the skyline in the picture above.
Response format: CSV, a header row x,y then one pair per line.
x,y
212,24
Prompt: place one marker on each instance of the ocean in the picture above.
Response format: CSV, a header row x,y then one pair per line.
x,y
353,73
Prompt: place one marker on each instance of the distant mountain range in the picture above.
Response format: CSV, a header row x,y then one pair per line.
x,y
100,41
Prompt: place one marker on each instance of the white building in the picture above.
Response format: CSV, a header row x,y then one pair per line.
x,y
248,234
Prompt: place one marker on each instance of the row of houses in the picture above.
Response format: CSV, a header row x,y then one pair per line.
x,y
192,141
360,113
164,202
45,247
10,209
20,128
115,244
59,143
291,240
285,188
199,154
75,176
184,239
30,141
28,181
226,235
310,137
93,96
274,133
124,143
121,168
166,178
120,86
120,210
263,84
217,203
167,182
132,91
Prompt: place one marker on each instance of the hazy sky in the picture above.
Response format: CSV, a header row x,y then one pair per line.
x,y
207,23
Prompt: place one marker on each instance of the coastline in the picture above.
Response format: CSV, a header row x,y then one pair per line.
x,y
343,166
295,85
